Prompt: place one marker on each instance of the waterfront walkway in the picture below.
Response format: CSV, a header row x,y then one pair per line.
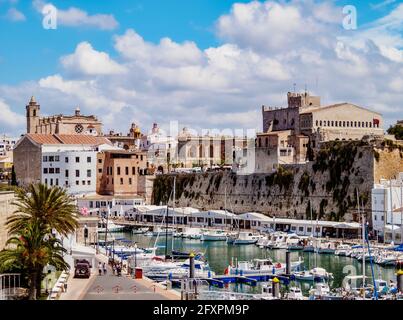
x,y
111,287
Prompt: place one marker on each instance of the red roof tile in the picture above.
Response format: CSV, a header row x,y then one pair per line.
x,y
67,139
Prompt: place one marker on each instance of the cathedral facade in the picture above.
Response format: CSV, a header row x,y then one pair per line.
x,y
60,124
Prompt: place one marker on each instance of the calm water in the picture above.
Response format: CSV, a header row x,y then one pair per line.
x,y
219,255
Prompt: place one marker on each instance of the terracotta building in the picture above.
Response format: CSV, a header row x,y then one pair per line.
x,y
121,172
60,124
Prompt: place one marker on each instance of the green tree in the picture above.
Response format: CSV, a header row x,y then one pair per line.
x,y
40,211
397,131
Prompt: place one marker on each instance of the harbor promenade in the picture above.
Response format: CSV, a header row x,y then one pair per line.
x,y
112,287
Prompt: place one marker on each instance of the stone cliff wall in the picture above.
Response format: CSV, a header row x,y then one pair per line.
x,y
328,184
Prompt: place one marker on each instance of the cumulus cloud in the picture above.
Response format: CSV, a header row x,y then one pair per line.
x,y
75,17
265,48
14,14
9,119
87,61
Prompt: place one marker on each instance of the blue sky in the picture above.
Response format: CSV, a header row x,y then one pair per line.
x,y
29,54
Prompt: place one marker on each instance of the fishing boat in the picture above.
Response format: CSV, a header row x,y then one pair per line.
x,y
214,235
261,266
140,230
315,274
342,250
112,227
243,238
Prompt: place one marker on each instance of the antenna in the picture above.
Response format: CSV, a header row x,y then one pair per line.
x,y
295,86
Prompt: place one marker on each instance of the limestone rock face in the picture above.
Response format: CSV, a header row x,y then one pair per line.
x,y
328,184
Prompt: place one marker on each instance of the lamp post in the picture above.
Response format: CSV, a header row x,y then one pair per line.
x,y
135,255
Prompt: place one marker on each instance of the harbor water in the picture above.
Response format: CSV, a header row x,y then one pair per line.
x,y
219,255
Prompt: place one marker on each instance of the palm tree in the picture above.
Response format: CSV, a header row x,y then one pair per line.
x,y
40,210
31,251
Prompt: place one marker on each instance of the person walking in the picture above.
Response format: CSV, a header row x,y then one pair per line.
x,y
104,268
113,269
100,268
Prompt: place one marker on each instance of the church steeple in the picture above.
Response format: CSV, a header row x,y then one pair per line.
x,y
32,115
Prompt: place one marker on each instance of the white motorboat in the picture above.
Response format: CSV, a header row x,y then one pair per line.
x,y
243,238
192,233
315,274
214,235
387,259
110,225
278,241
295,293
320,291
267,292
342,250
261,266
263,242
162,231
294,242
140,230
326,248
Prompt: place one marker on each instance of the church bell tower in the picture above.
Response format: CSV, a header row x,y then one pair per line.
x,y
32,115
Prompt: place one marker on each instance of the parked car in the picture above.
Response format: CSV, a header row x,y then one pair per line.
x,y
82,269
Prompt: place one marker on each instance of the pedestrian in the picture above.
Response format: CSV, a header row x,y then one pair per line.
x,y
104,268
113,269
100,268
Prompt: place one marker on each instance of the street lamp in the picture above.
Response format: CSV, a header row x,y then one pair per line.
x,y
135,255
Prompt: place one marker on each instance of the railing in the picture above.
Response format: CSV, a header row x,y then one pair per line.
x,y
9,286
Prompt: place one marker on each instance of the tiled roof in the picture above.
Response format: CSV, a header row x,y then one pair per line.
x,y
77,139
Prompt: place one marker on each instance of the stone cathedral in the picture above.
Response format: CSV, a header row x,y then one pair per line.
x,y
60,124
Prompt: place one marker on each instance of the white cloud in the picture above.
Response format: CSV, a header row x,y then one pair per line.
x,y
10,119
75,17
260,56
14,15
87,61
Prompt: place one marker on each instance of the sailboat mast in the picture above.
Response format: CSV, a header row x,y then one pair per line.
x,y
173,214
391,212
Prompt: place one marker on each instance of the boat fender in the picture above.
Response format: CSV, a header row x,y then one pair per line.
x,y
278,265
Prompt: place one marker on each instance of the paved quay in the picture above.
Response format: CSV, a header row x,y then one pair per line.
x,y
112,287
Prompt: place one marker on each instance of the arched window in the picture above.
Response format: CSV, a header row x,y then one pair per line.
x,y
34,113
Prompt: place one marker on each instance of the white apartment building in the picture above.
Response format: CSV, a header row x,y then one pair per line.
x,y
72,167
7,144
387,210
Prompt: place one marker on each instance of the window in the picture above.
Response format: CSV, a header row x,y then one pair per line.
x,y
339,123
57,170
46,181
370,124
77,159
320,122
309,229
51,170
66,173
118,171
51,182
57,182
317,122
66,159
375,217
99,170
83,182
57,158
293,228
130,180
141,157
45,170
335,123
89,173
121,180
359,124
89,182
89,159
382,218
91,204
77,173
348,123
332,123
133,170
127,171
77,182
355,123
66,183
99,160
301,229
344,123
